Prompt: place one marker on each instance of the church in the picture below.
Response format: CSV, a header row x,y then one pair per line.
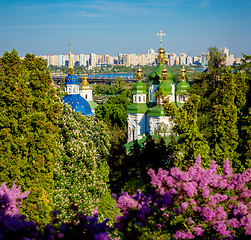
x,y
79,96
147,117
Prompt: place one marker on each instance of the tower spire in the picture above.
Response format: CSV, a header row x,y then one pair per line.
x,y
161,56
70,67
161,34
139,74
183,74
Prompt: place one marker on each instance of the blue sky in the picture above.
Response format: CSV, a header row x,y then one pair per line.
x,y
114,26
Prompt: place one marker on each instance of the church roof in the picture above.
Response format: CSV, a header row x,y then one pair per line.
x,y
139,88
182,87
166,87
156,77
156,111
93,104
71,79
78,103
137,108
85,85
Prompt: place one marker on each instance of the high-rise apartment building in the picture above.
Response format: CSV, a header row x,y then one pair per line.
x,y
83,59
183,59
204,59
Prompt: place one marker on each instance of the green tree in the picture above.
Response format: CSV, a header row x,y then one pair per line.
x,y
225,139
28,130
115,110
191,142
160,95
81,170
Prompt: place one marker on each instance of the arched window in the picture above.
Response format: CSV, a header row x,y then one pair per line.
x,y
139,99
85,96
144,98
134,98
70,90
74,90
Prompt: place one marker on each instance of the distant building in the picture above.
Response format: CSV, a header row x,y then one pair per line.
x,y
183,58
146,119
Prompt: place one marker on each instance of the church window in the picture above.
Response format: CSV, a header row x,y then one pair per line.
x,y
69,90
85,96
144,98
139,99
74,90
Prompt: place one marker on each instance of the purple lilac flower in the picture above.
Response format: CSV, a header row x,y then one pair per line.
x,y
246,223
125,201
190,188
227,170
221,228
183,235
198,230
184,205
234,223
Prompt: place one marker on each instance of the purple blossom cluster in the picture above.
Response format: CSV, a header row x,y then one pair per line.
x,y
195,203
16,226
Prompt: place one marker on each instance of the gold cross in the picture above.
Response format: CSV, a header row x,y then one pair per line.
x,y
161,34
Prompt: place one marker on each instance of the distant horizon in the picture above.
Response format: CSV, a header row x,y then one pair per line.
x,y
124,26
156,51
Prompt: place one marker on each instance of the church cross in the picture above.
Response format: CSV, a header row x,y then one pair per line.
x,y
161,34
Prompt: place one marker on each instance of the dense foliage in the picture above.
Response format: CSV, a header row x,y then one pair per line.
x,y
81,170
28,130
118,86
194,204
15,226
114,110
215,121
190,142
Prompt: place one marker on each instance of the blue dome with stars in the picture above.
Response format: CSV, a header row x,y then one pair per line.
x,y
71,79
79,104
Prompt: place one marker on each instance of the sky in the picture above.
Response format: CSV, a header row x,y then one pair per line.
x,y
44,27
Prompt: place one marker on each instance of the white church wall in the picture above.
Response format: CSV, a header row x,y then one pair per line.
x,y
152,89
162,124
136,126
139,98
72,88
86,94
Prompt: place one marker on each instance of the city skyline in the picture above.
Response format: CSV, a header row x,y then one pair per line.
x,y
113,27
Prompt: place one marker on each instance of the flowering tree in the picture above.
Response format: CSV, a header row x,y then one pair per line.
x,y
15,226
81,171
198,203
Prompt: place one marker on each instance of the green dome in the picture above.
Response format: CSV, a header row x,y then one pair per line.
x,y
155,75
156,111
137,108
182,87
139,88
166,86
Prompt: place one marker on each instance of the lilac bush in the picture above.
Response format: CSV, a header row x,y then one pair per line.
x,y
16,226
199,203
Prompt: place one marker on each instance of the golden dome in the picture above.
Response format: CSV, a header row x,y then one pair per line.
x,y
162,56
139,74
164,74
85,85
183,74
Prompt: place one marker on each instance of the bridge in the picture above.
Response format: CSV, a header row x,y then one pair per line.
x,y
94,79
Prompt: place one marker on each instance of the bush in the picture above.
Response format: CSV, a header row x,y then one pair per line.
x,y
15,226
198,203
